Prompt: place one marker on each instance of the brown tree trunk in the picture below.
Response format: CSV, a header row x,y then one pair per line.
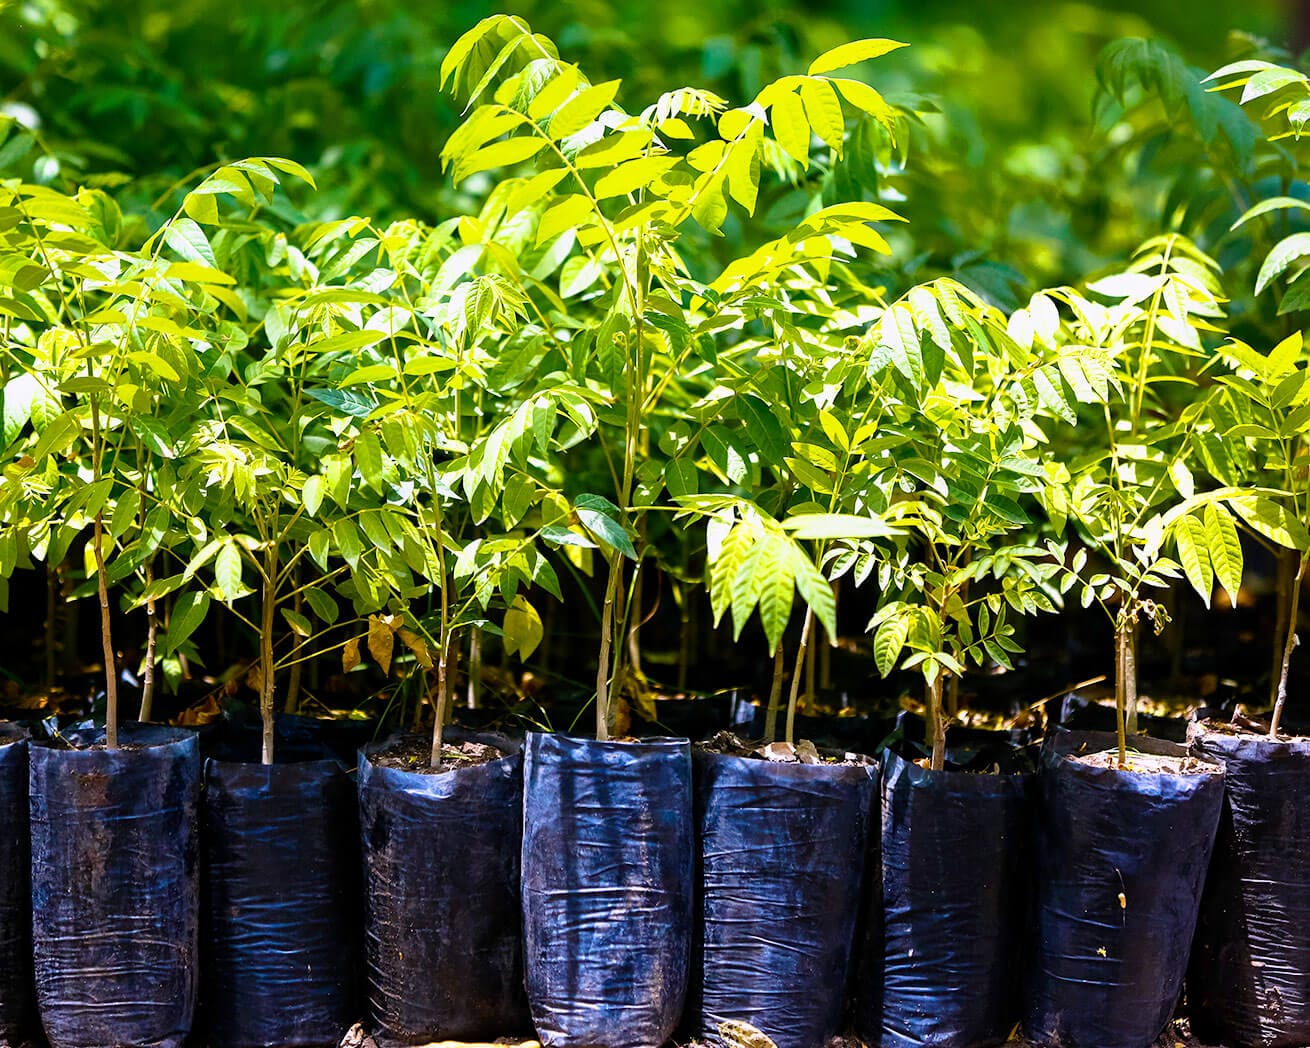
x,y
475,668
295,674
1289,645
937,721
1120,688
1284,569
266,653
442,703
106,639
607,619
801,659
1130,676
152,638
775,698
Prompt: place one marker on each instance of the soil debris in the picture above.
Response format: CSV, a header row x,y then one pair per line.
x,y
1146,763
803,752
357,1038
413,754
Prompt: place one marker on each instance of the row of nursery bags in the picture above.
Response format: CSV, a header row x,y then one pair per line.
x,y
613,894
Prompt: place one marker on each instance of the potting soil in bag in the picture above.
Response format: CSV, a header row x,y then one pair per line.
x,y
17,1011
441,869
954,894
1249,982
781,851
281,903
1121,859
607,888
115,888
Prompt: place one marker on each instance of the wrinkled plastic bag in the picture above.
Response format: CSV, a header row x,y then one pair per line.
x,y
1248,983
280,892
1121,859
781,851
115,892
443,924
17,1007
607,888
953,885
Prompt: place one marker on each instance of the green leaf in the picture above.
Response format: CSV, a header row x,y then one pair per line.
x,y
125,512
227,572
368,454
188,613
764,429
889,641
1225,549
578,274
300,625
855,51
346,341
1282,255
187,238
823,526
815,590
600,517
1189,535
1273,520
312,494
322,605
776,589
1272,204
1267,81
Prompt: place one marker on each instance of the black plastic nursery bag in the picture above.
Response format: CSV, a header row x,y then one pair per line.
x,y
1249,983
607,889
1121,859
943,963
280,895
17,1010
441,869
781,851
115,888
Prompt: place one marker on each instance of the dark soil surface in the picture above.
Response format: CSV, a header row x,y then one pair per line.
x,y
413,754
1146,763
1244,727
59,742
804,752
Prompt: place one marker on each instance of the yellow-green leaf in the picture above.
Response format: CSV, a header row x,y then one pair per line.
x,y
743,169
499,154
553,93
632,176
523,629
381,642
823,110
1189,536
1225,549
849,54
582,109
790,127
565,214
862,96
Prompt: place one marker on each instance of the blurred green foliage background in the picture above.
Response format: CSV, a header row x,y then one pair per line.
x,y
1030,172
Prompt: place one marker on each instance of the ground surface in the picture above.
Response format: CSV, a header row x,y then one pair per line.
x,y
1178,1035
